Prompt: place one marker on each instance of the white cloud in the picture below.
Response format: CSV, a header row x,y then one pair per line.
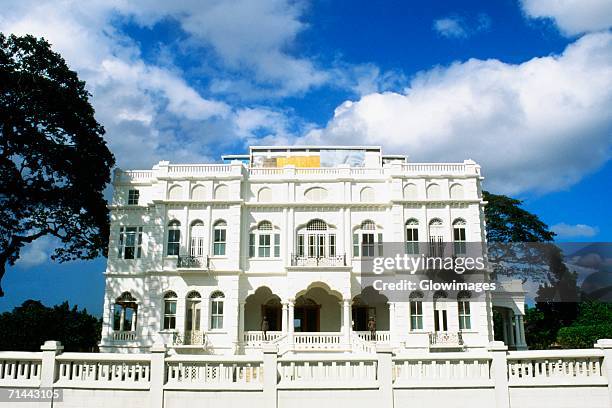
x,y
564,230
458,27
540,125
450,27
37,253
572,16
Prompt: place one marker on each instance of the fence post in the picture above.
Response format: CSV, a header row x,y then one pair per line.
x,y
384,354
270,383
499,371
606,346
48,370
158,375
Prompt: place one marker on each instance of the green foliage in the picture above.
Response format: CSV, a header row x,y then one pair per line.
x,y
539,333
583,336
54,163
508,222
28,326
594,322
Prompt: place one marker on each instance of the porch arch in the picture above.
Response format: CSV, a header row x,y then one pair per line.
x,y
262,302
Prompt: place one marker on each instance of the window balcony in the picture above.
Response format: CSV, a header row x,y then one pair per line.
x,y
193,262
124,335
338,260
191,338
445,340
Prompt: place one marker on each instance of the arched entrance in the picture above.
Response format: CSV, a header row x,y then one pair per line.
x,y
263,303
370,304
317,309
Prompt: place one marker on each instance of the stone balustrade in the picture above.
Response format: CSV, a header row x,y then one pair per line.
x,y
491,377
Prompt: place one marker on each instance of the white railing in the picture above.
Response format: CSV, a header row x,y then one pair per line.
x,y
436,367
124,335
194,338
266,171
134,175
361,345
317,171
214,371
445,339
198,169
380,336
552,366
20,368
322,261
434,168
256,338
326,372
104,370
318,341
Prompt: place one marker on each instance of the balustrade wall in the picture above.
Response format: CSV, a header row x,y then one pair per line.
x,y
489,378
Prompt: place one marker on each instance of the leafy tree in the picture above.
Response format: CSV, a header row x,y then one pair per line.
x,y
594,322
520,245
54,163
28,326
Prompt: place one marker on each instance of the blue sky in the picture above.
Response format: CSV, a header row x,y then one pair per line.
x,y
524,87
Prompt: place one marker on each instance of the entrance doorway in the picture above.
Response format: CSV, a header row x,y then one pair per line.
x,y
440,314
272,311
307,315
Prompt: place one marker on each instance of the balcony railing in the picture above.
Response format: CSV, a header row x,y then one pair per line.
x,y
445,340
193,338
338,260
196,262
124,336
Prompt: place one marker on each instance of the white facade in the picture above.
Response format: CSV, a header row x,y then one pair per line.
x,y
199,253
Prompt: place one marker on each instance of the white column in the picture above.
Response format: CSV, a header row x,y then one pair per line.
x,y
523,339
505,327
392,328
511,342
520,335
284,318
346,320
122,318
241,322
290,324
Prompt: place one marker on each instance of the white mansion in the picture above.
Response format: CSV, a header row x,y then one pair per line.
x,y
202,254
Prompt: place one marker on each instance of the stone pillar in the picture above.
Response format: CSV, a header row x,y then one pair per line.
x,y
290,324
510,330
285,318
346,321
48,374
384,355
158,374
499,373
505,328
270,382
392,328
606,346
122,319
522,331
241,322
518,335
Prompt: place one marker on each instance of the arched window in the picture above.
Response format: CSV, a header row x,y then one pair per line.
x,y
456,191
221,192
416,311
412,236
410,192
170,299
316,194
436,238
316,240
125,313
196,244
219,238
264,195
216,310
174,237
175,192
261,241
440,313
433,191
192,316
364,243
463,304
459,243
198,193
367,195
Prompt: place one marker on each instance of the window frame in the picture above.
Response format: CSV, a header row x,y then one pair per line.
x,y
173,238
169,317
217,300
219,241
125,232
133,196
